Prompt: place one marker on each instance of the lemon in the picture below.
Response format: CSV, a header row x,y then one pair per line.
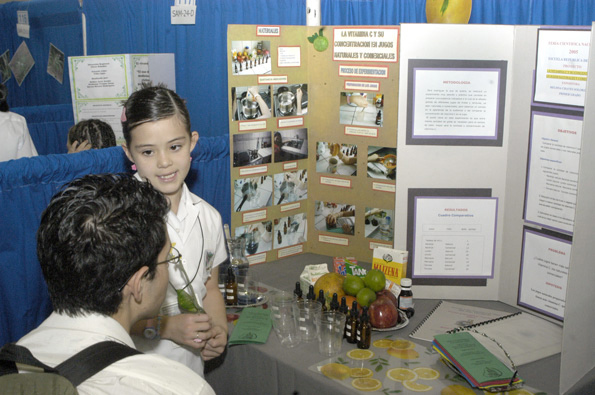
x,y
457,389
426,373
375,280
403,354
382,343
401,374
366,384
352,284
365,297
335,371
417,387
361,372
402,344
360,354
521,391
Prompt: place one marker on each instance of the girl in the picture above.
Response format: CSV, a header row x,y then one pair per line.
x,y
156,127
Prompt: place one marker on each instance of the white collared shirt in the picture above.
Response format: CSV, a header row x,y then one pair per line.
x,y
59,337
15,137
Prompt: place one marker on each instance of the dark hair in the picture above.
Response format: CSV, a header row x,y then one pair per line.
x,y
100,134
96,233
3,95
150,104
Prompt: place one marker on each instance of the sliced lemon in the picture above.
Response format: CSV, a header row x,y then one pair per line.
x,y
360,354
457,389
402,344
361,372
336,371
417,387
401,374
520,391
403,354
366,384
382,343
427,373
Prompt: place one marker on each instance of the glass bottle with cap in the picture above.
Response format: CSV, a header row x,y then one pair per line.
x,y
364,330
297,292
351,324
405,300
231,288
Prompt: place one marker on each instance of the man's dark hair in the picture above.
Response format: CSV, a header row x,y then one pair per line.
x,y
97,132
4,98
151,104
96,233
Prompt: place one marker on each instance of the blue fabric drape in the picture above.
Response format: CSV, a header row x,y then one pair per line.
x,y
48,126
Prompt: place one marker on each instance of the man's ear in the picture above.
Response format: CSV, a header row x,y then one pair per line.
x,y
137,283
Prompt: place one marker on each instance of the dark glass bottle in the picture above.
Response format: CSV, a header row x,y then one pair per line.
x,y
297,292
310,295
405,300
351,324
334,305
231,288
364,330
322,300
343,308
379,118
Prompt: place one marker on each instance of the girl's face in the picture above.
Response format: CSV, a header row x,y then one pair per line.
x,y
161,151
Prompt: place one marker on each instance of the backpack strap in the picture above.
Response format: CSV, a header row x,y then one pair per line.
x,y
77,368
93,359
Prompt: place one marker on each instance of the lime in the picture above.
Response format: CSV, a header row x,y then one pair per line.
x,y
353,284
365,296
375,280
320,43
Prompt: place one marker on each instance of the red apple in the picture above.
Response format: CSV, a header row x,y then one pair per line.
x,y
383,313
388,294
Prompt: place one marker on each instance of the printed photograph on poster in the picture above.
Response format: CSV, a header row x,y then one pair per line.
x,y
334,158
290,100
56,63
456,102
258,237
382,162
361,109
5,72
334,217
250,57
291,186
290,230
21,63
379,223
251,149
291,144
250,102
561,69
552,171
545,262
252,193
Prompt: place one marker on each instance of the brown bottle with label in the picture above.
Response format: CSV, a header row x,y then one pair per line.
x,y
231,288
364,330
351,324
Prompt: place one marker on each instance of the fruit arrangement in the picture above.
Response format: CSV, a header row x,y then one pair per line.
x,y
368,291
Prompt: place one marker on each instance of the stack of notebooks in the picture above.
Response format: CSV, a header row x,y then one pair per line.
x,y
464,354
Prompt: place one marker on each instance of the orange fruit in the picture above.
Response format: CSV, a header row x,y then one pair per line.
x,y
330,283
417,387
336,371
361,372
349,300
401,374
403,354
448,11
457,389
366,384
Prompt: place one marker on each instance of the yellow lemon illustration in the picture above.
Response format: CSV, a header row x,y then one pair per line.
x,y
361,372
427,373
403,354
520,391
360,354
366,384
401,374
402,344
457,389
382,343
417,387
448,11
336,371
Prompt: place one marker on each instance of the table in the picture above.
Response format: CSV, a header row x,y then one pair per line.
x,y
272,369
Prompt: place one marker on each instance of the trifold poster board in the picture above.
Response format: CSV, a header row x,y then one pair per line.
x,y
99,84
313,119
534,160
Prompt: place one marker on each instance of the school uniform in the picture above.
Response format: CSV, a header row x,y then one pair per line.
x,y
16,140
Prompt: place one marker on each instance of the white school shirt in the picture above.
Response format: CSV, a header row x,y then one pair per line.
x,y
15,137
59,337
197,233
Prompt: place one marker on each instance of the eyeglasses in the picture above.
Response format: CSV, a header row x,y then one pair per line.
x,y
174,257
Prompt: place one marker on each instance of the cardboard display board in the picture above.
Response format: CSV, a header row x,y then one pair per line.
x,y
313,119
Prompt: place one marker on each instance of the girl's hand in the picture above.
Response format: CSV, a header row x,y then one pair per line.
x,y
216,344
191,330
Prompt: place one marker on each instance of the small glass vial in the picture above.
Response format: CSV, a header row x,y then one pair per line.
x,y
406,298
343,308
231,288
322,300
364,330
351,324
334,305
310,295
297,292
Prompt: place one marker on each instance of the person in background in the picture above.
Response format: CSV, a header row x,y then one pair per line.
x,y
14,133
104,252
159,141
90,134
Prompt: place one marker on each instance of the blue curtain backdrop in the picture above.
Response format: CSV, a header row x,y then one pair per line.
x,y
132,26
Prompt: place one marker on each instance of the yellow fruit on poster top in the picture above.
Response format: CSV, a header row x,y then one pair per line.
x,y
448,11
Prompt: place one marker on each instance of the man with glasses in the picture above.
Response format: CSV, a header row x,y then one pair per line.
x,y
104,250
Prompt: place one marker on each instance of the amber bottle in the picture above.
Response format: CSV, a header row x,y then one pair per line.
x,y
364,330
231,288
351,324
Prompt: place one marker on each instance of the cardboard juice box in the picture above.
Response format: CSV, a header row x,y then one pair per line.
x,y
393,263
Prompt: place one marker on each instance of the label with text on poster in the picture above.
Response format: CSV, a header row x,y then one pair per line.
x,y
365,44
